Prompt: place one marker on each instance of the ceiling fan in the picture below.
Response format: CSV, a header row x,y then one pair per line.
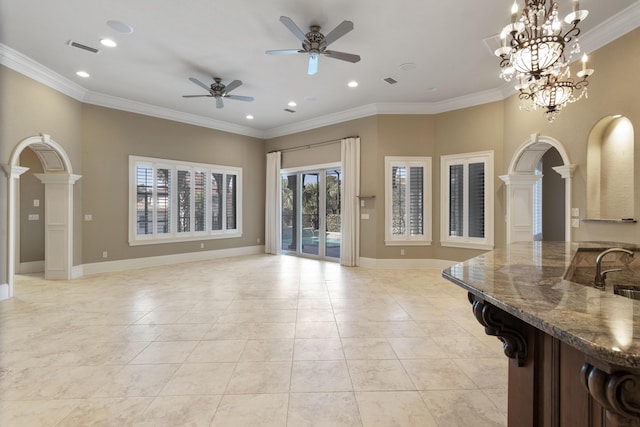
x,y
315,43
218,91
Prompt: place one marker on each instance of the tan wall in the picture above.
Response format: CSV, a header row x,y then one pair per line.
x,y
612,90
98,141
28,108
400,135
465,131
31,188
110,136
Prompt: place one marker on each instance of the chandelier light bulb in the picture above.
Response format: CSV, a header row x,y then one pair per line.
x,y
514,12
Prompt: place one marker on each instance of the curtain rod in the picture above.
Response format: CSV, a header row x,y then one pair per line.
x,y
315,144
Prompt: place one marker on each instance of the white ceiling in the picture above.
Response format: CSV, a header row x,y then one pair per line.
x,y
149,69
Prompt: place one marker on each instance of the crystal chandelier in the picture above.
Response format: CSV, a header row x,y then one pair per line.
x,y
537,51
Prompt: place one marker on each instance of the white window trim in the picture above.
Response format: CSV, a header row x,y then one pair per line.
x,y
408,161
173,236
487,242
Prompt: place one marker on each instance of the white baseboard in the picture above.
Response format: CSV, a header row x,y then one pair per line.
x,y
406,264
131,264
31,267
4,291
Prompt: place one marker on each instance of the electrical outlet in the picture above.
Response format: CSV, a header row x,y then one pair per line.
x,y
258,240
201,245
401,251
105,254
575,223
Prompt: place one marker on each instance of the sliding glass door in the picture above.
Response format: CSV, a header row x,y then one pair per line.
x,y
311,212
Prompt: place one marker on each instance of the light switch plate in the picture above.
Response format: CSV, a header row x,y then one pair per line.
x,y
36,203
575,211
575,223
364,216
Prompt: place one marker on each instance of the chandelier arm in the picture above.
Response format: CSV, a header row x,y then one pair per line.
x,y
581,84
573,32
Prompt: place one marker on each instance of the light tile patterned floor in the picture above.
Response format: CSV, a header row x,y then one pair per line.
x,y
248,341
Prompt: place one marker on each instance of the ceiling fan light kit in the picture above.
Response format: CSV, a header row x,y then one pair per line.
x,y
219,90
314,43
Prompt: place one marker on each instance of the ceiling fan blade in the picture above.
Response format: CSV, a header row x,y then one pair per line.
x,y
219,103
233,85
199,83
338,32
240,98
349,57
196,96
313,64
293,28
283,52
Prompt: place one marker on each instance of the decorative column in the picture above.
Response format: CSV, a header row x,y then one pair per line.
x,y
520,206
13,180
58,224
566,172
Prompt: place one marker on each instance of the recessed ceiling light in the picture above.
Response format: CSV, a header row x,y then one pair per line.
x,y
249,117
292,104
352,83
83,74
108,43
120,26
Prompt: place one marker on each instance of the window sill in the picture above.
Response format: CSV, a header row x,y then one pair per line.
x,y
198,237
407,242
468,245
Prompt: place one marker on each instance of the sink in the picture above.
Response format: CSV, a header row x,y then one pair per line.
x,y
632,292
582,271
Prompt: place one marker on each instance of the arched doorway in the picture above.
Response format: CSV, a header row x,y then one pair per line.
x,y
58,179
521,182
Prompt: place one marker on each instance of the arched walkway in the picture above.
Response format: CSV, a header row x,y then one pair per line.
x,y
58,179
520,182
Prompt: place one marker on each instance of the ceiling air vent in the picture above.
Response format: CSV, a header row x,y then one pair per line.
x,y
82,46
289,110
390,81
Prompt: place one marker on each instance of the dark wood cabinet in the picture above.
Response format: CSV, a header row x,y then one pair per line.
x,y
552,384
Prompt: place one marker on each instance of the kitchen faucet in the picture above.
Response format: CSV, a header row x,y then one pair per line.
x,y
598,282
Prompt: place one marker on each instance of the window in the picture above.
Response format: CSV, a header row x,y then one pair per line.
x,y
177,201
467,200
407,201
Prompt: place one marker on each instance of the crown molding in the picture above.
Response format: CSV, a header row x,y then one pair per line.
x,y
123,104
318,122
611,29
604,33
24,65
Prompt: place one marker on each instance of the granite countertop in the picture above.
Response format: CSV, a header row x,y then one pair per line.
x,y
526,280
